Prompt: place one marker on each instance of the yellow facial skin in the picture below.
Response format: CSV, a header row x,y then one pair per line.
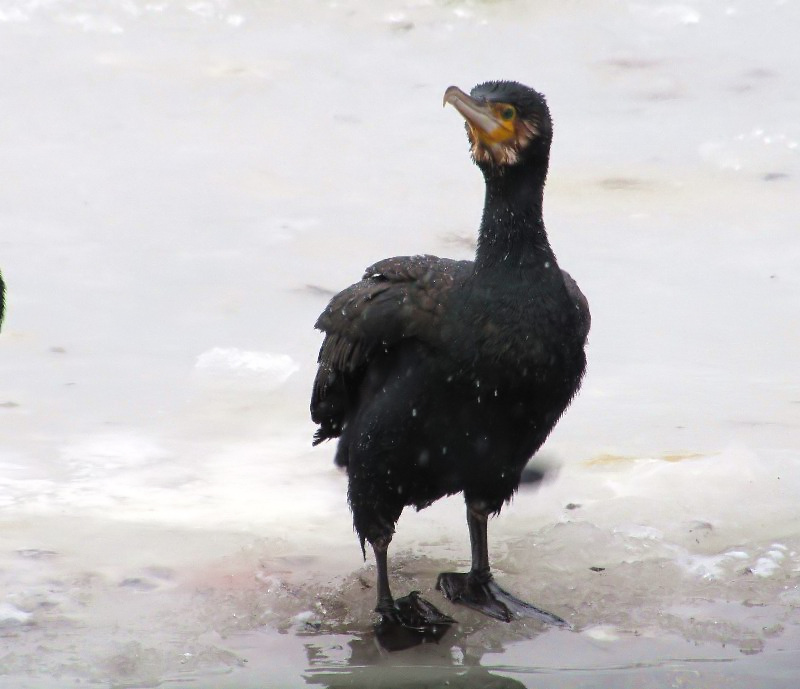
x,y
496,132
505,116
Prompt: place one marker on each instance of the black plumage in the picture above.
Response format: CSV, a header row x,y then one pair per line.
x,y
440,376
2,300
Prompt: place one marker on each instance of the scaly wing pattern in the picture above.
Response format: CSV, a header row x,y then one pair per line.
x,y
398,298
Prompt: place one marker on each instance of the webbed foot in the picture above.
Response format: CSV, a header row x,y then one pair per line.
x,y
485,596
410,621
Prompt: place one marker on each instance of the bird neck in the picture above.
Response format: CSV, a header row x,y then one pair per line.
x,y
512,232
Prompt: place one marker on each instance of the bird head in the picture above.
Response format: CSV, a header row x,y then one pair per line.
x,y
507,123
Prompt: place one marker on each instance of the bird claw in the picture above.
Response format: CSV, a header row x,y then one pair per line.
x,y
410,621
485,596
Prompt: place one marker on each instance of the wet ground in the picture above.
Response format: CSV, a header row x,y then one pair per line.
x,y
185,183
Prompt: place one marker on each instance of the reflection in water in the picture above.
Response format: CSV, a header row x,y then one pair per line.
x,y
454,663
397,637
414,678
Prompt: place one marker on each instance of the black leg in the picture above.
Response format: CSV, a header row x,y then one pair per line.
x,y
477,589
479,542
407,621
385,600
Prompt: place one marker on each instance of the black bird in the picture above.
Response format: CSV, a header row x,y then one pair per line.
x,y
2,299
442,376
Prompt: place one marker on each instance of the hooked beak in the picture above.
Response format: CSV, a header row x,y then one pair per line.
x,y
480,116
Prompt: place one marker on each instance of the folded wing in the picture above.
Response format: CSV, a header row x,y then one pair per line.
x,y
398,298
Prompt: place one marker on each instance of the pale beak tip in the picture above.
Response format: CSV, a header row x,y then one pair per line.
x,y
449,93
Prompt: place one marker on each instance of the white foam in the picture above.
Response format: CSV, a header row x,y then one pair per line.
x,y
769,564
11,614
603,632
108,452
271,369
709,567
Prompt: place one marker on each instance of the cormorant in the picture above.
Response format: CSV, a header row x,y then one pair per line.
x,y
2,300
442,376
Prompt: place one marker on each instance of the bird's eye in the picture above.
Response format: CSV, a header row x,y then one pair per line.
x,y
508,113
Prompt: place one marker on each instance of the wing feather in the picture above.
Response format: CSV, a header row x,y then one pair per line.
x,y
398,298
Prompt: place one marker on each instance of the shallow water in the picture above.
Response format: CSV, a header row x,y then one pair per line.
x,y
184,184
